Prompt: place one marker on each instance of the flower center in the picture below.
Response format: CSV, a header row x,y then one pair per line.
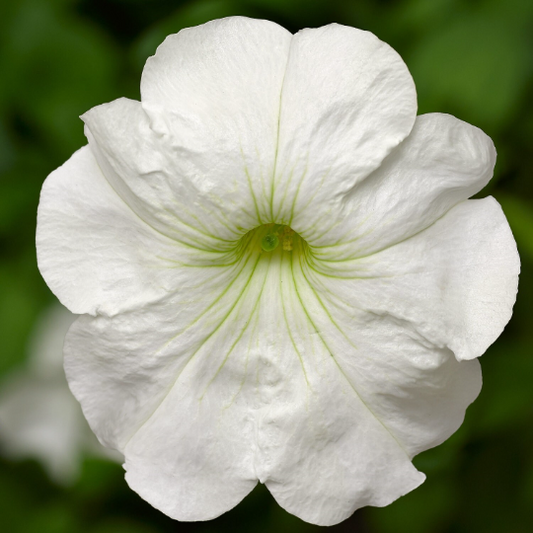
x,y
267,243
276,233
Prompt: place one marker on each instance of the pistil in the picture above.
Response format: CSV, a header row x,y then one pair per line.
x,y
278,233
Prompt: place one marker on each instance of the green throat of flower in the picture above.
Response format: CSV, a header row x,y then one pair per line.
x,y
275,234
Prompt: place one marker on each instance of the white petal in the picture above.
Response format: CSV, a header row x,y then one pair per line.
x,y
377,393
415,389
325,451
230,65
95,253
162,184
443,162
159,384
136,355
213,92
249,131
347,101
186,453
455,283
458,280
260,383
194,457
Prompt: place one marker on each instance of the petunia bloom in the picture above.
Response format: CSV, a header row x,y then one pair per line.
x,y
280,275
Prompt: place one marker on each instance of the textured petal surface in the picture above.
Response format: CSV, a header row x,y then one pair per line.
x,y
163,185
163,385
443,162
273,380
96,254
347,101
204,406
252,131
188,449
377,392
455,282
213,93
321,367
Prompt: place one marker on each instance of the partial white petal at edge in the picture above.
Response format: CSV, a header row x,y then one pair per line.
x,y
456,281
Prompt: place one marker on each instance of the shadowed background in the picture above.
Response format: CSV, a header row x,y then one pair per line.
x,y
474,59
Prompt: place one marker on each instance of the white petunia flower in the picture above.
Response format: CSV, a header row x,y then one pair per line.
x,y
39,417
280,274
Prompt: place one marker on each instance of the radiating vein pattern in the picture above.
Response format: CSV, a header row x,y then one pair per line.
x,y
269,312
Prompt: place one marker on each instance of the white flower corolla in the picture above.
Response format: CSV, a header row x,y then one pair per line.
x,y
280,274
39,417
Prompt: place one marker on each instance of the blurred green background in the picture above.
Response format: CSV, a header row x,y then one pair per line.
x,y
474,59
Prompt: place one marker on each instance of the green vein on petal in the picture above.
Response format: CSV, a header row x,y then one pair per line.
x,y
249,283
